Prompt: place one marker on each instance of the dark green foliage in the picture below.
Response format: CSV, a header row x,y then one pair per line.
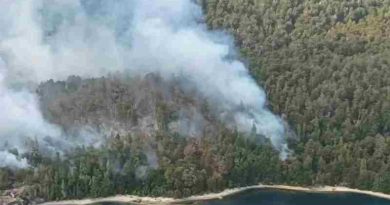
x,y
5,181
121,167
325,66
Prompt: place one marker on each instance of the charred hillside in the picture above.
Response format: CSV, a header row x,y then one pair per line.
x,y
142,105
160,138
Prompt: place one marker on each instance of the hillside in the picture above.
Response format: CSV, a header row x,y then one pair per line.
x,y
325,66
156,138
177,115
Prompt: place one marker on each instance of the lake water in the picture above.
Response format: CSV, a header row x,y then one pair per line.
x,y
277,197
272,197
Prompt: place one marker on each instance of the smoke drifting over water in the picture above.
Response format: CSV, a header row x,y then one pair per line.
x,y
52,39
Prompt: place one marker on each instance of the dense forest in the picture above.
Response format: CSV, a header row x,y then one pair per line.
x,y
325,66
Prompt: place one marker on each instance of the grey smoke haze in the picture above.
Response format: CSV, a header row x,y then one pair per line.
x,y
21,121
19,118
52,39
9,160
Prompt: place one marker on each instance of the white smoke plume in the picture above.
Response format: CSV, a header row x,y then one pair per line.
x,y
52,39
9,160
19,117
21,121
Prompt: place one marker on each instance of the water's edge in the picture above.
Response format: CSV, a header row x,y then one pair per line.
x,y
211,196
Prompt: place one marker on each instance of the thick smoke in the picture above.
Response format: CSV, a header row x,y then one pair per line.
x,y
9,160
19,118
52,39
21,123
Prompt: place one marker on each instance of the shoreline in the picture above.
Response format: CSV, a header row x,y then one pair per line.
x,y
228,192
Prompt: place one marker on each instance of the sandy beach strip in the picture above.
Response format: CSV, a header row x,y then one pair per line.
x,y
117,199
210,196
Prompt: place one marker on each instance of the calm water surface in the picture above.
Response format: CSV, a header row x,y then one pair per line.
x,y
272,197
